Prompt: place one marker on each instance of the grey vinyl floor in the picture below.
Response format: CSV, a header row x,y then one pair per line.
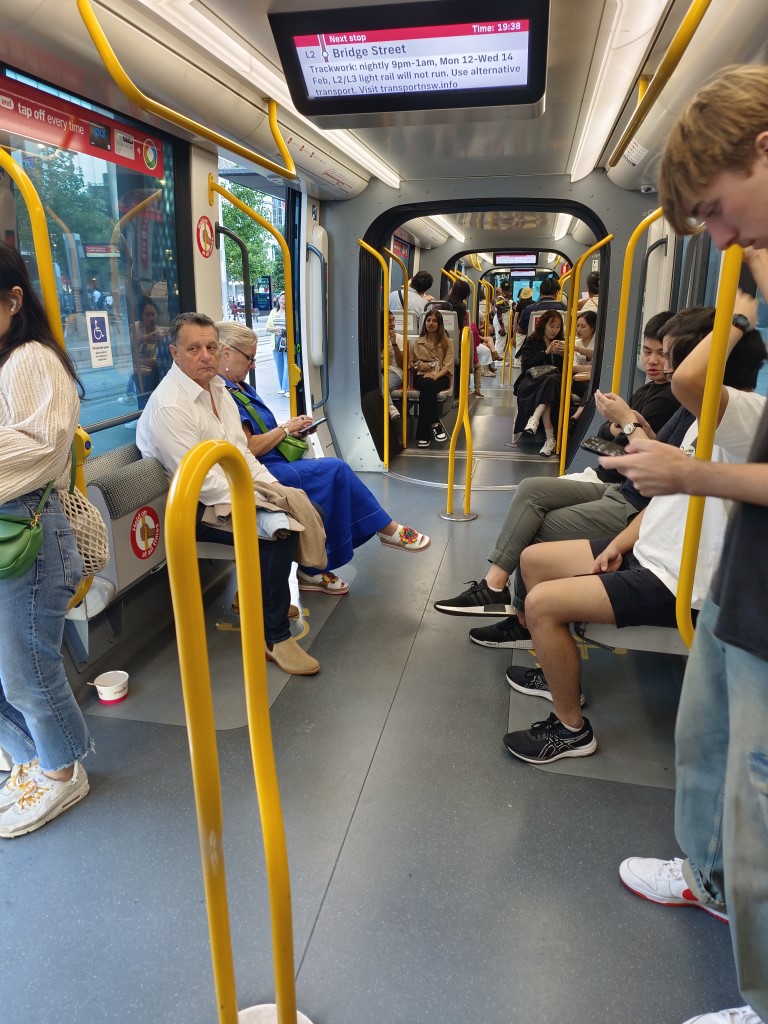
x,y
435,879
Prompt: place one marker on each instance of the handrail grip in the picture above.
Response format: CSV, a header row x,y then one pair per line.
x,y
186,596
726,295
132,91
473,286
626,277
669,62
218,231
294,373
638,325
385,333
406,352
117,232
324,385
567,379
488,289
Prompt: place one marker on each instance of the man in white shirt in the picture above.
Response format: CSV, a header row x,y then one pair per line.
x,y
189,405
417,294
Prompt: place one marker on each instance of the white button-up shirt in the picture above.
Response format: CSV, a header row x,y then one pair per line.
x,y
179,415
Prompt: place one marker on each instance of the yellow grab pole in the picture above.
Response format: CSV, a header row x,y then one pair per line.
x,y
41,243
669,62
473,286
450,274
626,277
117,231
406,354
385,332
294,373
726,295
131,90
567,379
488,289
187,601
462,420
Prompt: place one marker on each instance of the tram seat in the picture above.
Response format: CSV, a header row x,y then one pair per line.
x,y
444,397
659,639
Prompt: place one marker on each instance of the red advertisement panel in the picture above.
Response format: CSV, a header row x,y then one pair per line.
x,y
57,122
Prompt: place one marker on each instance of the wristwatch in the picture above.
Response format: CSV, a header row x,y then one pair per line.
x,y
285,429
630,428
741,322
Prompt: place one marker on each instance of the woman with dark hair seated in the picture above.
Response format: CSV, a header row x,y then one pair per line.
x,y
432,359
352,513
538,386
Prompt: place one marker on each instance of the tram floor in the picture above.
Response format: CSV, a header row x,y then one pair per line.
x,y
435,879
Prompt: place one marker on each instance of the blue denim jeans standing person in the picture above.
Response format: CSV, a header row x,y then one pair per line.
x,y
721,807
281,366
41,725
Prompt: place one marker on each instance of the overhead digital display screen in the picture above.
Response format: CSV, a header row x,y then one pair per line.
x,y
343,64
515,259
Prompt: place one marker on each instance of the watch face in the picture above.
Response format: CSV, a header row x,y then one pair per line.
x,y
629,429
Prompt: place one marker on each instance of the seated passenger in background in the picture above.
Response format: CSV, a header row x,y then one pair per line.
x,y
432,360
593,294
189,405
538,386
548,299
395,343
596,502
419,285
631,580
352,513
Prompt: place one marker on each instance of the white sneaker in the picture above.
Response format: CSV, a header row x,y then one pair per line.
x,y
531,426
549,446
41,799
6,761
739,1015
661,881
9,793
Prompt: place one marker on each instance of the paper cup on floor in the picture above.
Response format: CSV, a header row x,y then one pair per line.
x,y
112,687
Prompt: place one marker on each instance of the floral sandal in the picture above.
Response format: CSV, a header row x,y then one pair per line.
x,y
323,583
405,538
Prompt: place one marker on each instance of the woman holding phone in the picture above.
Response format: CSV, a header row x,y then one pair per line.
x,y
352,513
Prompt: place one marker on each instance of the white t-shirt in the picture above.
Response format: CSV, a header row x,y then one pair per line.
x,y
660,544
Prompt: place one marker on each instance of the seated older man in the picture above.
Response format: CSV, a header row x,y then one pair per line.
x,y
191,405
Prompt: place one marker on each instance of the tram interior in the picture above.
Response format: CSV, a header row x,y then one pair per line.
x,y
435,880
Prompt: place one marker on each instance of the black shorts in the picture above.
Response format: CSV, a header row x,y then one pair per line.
x,y
637,595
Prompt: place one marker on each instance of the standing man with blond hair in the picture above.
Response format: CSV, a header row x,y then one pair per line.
x,y
714,172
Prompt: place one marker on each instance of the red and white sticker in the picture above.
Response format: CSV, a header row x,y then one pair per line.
x,y
205,237
145,532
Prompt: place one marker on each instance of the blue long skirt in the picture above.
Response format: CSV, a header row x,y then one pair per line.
x,y
352,514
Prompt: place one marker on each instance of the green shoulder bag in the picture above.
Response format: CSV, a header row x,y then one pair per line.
x,y
291,448
20,540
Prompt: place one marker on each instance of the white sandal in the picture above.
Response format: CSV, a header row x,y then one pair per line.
x,y
405,538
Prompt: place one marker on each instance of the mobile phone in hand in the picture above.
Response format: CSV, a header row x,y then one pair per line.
x,y
600,447
311,427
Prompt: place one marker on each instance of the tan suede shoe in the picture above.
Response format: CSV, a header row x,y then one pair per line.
x,y
289,657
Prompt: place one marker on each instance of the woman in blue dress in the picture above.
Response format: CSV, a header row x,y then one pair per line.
x,y
352,513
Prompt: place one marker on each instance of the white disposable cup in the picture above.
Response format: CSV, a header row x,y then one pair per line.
x,y
112,687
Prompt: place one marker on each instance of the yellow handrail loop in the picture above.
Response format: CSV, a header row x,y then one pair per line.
x,y
462,420
132,91
294,371
385,333
726,296
626,277
406,352
570,342
187,601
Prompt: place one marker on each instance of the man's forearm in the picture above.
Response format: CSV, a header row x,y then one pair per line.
x,y
737,482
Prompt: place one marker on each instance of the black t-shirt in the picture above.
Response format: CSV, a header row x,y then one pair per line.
x,y
655,403
741,582
673,432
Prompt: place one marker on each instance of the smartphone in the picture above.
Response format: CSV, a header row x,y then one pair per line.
x,y
600,447
312,427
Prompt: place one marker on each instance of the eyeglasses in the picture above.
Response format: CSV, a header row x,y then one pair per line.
x,y
251,359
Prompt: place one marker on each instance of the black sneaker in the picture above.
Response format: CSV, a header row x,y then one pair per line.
x,y
531,681
478,600
507,633
438,432
549,741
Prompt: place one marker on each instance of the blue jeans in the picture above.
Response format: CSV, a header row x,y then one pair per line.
x,y
39,716
721,809
281,365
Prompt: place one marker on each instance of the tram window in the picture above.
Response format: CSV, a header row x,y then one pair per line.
x,y
106,184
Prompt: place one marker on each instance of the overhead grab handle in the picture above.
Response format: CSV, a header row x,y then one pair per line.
x,y
131,90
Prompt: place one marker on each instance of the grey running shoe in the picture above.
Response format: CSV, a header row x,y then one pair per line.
x,y
478,600
507,633
549,741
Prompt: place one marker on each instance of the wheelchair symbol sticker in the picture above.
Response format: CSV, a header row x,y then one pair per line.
x,y
99,340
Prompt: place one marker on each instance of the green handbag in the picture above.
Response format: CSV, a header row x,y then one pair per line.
x,y
20,540
291,448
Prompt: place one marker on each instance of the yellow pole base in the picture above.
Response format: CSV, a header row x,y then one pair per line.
x,y
459,517
266,1013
